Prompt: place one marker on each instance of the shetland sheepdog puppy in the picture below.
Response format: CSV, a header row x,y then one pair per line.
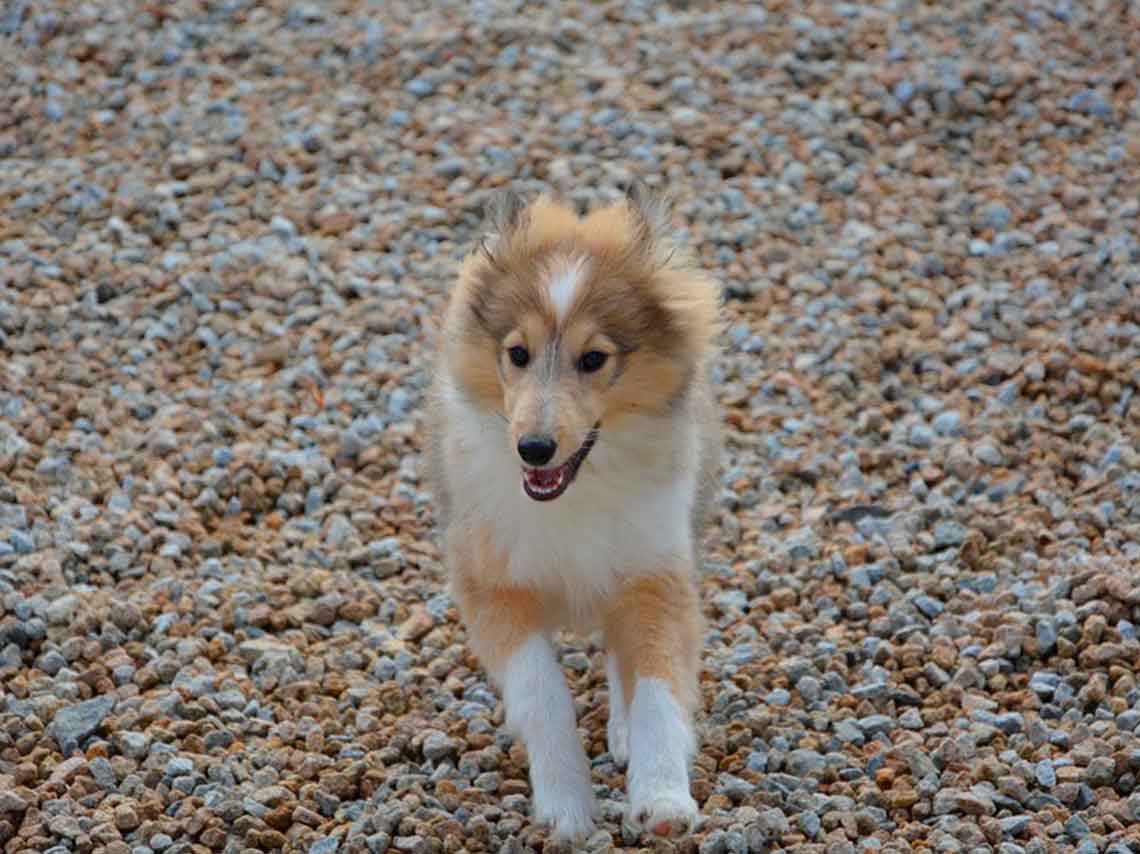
x,y
574,446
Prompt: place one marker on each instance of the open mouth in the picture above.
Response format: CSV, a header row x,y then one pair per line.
x,y
547,484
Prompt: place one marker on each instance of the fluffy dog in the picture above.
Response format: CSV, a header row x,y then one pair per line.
x,y
574,446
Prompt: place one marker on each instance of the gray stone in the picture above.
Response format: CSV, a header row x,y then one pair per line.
x,y
1076,827
378,843
875,724
51,662
489,781
871,691
437,745
848,732
420,87
918,761
947,423
935,675
1014,825
12,803
988,454
949,533
921,436
103,773
773,823
735,787
134,745
716,842
179,766
809,688
72,724
13,516
967,803
62,610
1128,721
929,606
779,697
804,762
22,542
795,668
911,719
340,531
996,215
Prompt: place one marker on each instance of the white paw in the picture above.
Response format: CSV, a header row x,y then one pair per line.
x,y
617,739
661,741
664,813
540,709
570,816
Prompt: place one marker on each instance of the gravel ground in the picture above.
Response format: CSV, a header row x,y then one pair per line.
x,y
225,235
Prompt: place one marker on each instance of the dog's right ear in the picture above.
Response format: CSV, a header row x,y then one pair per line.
x,y
502,213
653,207
502,216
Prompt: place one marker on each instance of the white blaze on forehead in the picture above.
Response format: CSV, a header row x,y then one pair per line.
x,y
565,279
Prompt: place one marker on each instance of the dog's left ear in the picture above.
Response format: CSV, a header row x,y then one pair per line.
x,y
652,212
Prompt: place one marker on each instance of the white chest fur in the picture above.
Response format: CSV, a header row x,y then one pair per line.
x,y
629,511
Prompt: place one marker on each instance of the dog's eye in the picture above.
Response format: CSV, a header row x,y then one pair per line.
x,y
591,362
519,356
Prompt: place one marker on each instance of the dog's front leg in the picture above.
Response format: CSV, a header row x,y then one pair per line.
x,y
653,632
505,630
617,728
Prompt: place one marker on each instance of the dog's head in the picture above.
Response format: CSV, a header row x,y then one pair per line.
x,y
568,325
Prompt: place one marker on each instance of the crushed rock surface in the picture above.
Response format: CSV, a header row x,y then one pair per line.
x,y
226,234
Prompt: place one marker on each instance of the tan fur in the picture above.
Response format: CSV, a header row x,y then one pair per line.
x,y
654,629
498,619
499,616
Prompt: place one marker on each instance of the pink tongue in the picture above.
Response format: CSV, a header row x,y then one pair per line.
x,y
543,478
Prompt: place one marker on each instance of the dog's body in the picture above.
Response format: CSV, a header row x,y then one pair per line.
x,y
575,358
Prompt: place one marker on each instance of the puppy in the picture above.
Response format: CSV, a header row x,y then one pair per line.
x,y
574,445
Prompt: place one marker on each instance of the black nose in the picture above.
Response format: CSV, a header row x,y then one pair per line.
x,y
537,450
